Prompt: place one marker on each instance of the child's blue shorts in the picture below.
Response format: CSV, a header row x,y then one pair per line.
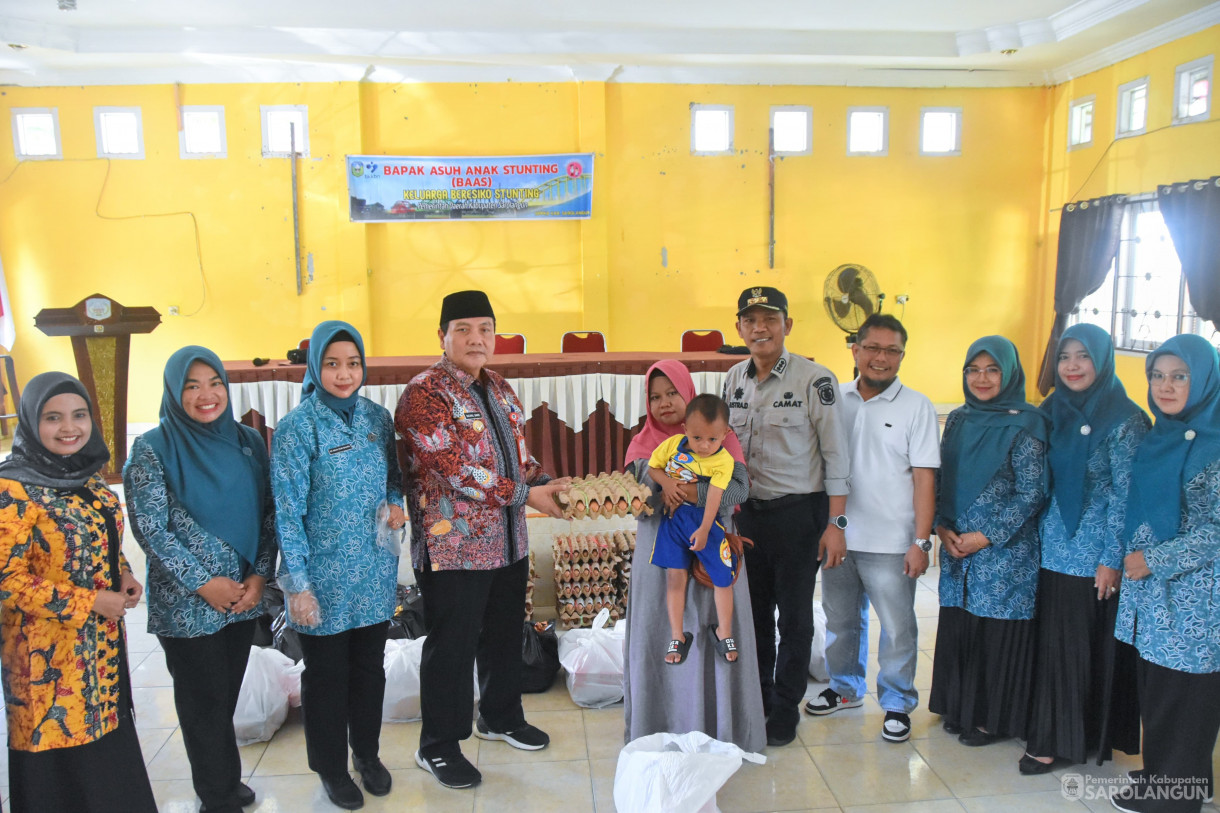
x,y
672,547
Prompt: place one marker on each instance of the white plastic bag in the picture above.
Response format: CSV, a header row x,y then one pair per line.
x,y
262,703
593,659
675,773
401,703
818,670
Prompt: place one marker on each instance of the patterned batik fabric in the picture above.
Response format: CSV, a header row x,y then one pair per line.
x,y
329,479
1098,538
468,470
1001,580
182,554
61,661
1173,616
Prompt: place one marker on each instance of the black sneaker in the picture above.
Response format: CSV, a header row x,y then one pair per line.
x,y
897,727
830,701
245,794
1125,801
373,775
526,737
454,771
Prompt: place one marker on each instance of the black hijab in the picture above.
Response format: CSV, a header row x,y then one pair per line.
x,y
32,463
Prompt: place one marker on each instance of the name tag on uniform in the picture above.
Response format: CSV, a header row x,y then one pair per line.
x,y
346,447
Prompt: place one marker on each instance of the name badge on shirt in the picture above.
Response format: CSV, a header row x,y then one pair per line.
x,y
346,447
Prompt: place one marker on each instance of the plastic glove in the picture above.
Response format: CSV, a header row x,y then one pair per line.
x,y
303,609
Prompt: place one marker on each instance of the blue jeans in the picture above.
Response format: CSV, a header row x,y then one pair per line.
x,y
847,591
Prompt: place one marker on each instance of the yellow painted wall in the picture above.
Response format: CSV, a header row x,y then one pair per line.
x,y
957,234
969,239
1164,154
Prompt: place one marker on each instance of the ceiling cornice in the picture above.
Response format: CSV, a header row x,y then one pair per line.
x,y
1183,26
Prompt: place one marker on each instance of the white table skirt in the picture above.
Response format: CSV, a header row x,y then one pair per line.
x,y
572,398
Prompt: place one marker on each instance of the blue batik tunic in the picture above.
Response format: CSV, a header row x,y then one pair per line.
x,y
1098,538
329,479
1001,580
182,555
1173,616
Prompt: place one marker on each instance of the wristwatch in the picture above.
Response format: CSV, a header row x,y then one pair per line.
x,y
839,522
925,545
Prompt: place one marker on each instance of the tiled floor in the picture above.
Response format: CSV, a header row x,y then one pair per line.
x,y
837,763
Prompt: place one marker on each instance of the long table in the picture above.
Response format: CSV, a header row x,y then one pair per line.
x,y
583,407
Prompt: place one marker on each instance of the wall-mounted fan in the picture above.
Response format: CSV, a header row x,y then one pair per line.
x,y
851,295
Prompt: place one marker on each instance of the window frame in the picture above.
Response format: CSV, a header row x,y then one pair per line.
x,y
957,136
697,108
1089,101
1182,94
264,111
16,113
1122,297
1123,107
795,108
884,110
101,110
224,138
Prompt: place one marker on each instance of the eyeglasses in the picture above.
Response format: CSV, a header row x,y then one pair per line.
x,y
1157,377
890,353
990,370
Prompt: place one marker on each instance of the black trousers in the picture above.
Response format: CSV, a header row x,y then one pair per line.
x,y
783,567
472,616
207,673
1181,716
342,689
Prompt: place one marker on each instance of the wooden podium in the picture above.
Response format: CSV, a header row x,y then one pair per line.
x,y
101,341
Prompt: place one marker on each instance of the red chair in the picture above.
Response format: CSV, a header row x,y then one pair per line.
x,y
510,343
702,341
590,342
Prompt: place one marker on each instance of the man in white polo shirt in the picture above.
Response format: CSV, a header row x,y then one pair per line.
x,y
895,452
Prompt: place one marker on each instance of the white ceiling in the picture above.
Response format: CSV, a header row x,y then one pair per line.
x,y
957,43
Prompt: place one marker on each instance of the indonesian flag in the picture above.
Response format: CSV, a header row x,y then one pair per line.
x,y
7,330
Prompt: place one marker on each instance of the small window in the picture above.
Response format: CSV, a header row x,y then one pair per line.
x,y
792,130
940,131
1132,108
868,130
281,124
36,133
203,132
1080,123
711,129
119,131
1192,91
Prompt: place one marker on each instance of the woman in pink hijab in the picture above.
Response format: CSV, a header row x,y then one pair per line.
x,y
704,692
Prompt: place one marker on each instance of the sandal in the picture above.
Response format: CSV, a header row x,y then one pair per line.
x,y
723,646
679,647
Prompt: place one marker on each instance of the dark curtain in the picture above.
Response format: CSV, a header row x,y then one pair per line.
x,y
1088,240
1192,216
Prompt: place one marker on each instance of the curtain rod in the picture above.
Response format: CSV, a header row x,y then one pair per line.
x,y
1138,197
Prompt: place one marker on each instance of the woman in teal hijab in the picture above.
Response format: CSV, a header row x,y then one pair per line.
x,y
334,471
1084,686
993,483
1168,608
200,501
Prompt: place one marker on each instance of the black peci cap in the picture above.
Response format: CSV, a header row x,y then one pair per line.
x,y
770,298
466,305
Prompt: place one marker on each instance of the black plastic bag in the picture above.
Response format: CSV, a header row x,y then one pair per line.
x,y
408,620
271,605
539,656
284,638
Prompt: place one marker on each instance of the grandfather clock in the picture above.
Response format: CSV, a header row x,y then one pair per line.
x,y
101,341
